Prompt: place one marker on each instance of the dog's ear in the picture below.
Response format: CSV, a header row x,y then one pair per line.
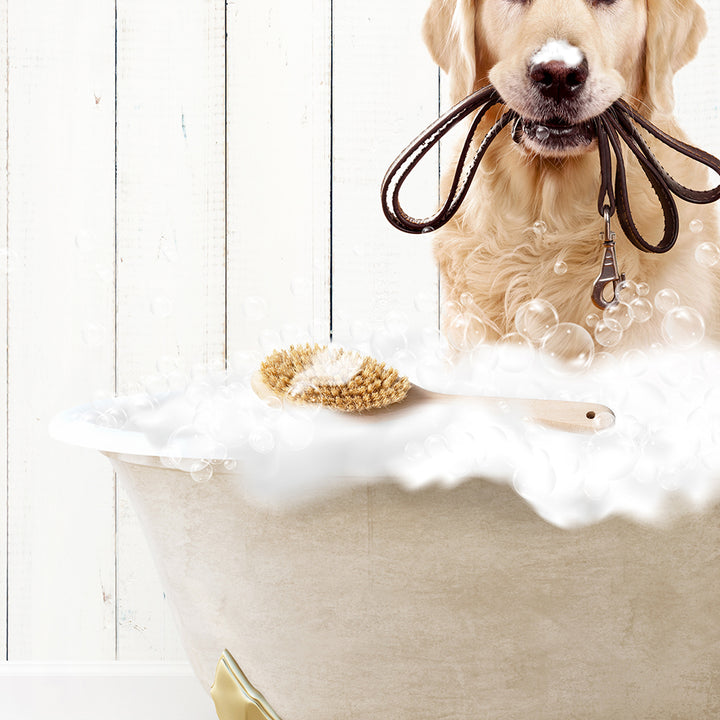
x,y
450,30
675,29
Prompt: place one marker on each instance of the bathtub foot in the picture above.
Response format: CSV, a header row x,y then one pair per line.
x,y
235,698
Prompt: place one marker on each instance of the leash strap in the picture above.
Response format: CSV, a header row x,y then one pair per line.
x,y
613,127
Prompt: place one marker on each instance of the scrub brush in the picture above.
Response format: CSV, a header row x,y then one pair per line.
x,y
350,382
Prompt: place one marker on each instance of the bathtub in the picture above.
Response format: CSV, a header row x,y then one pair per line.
x,y
373,599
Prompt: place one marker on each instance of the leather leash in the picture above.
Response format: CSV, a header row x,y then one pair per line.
x,y
613,127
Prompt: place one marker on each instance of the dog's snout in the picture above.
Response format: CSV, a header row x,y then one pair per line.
x,y
558,81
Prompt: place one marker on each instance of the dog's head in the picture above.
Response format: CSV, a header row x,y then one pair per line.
x,y
559,63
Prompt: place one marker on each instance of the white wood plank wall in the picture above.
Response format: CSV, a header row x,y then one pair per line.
x,y
179,182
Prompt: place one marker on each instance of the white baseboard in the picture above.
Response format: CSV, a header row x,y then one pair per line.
x,y
111,691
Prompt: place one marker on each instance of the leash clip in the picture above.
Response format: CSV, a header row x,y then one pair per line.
x,y
610,273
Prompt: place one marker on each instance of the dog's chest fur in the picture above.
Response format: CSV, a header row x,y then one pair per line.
x,y
531,230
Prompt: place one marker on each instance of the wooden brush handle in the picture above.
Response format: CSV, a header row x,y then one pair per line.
x,y
578,417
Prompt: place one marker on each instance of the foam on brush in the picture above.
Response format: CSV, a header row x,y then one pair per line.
x,y
333,377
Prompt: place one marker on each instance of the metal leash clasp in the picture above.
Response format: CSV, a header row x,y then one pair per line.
x,y
610,273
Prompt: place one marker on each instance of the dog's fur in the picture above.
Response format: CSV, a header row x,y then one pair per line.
x,y
491,249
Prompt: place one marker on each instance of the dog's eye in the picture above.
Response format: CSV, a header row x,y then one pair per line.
x,y
595,3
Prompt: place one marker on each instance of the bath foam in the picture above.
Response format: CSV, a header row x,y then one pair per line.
x,y
662,456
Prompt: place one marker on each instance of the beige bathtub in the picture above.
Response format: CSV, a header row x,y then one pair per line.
x,y
457,604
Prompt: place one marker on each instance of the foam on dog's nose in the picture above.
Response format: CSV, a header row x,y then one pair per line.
x,y
558,51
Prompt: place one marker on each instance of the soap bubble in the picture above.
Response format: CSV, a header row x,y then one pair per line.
x,y
467,300
465,332
255,308
270,340
414,451
707,254
635,362
515,353
161,306
666,299
604,361
436,447
385,343
683,327
696,226
230,465
592,319
156,384
295,335
83,241
106,273
201,471
642,309
619,314
426,303
643,289
360,331
190,442
542,133
396,322
113,418
167,364
540,226
626,291
607,335
560,267
570,345
168,248
261,440
535,319
535,476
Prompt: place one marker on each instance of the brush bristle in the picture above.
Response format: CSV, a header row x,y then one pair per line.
x,y
337,378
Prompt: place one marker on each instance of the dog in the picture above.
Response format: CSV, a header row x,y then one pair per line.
x,y
529,227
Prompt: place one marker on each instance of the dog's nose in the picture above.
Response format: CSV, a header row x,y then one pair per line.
x,y
558,81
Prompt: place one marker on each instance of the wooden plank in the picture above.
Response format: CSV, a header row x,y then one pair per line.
x,y
60,326
278,172
170,241
697,87
3,323
385,90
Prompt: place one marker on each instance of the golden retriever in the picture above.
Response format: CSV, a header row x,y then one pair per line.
x,y
529,227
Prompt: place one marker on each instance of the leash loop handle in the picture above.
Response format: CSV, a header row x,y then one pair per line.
x,y
481,100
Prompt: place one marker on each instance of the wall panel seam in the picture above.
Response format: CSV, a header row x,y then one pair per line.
x,y
6,199
331,169
115,333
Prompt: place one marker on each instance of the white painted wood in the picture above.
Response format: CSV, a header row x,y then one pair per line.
x,y
60,327
278,172
385,91
3,325
170,241
112,691
61,296
697,88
